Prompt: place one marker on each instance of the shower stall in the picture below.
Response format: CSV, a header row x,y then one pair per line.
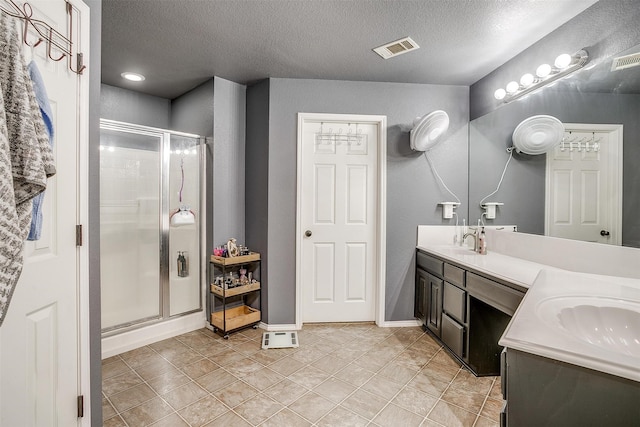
x,y
150,225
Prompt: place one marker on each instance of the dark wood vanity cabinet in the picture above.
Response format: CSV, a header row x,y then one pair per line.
x,y
434,304
465,311
428,300
444,302
419,308
545,392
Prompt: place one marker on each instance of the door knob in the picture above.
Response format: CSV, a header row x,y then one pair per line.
x,y
604,233
308,233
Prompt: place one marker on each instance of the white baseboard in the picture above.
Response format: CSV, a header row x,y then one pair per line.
x,y
400,323
387,324
130,340
276,328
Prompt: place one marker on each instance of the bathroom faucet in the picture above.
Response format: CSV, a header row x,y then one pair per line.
x,y
473,232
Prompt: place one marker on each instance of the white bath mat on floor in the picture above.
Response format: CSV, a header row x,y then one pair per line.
x,y
279,340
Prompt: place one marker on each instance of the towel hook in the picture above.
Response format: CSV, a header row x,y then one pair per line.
x,y
79,66
28,14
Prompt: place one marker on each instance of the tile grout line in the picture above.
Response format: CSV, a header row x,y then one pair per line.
x,y
484,402
375,374
406,383
144,381
331,375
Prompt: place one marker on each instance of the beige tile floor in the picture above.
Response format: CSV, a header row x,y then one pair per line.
x,y
341,375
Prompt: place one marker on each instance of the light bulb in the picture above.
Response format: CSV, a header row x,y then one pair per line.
x,y
526,79
500,93
512,87
102,148
563,61
543,71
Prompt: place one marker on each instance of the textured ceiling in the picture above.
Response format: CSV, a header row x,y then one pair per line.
x,y
178,44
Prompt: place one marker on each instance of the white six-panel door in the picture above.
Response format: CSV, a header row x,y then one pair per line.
x,y
42,340
583,185
339,218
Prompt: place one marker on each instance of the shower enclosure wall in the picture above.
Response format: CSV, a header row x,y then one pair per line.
x,y
150,268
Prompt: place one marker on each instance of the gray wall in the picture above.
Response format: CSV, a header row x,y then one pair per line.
x,y
523,190
133,107
93,228
604,29
412,191
192,112
229,161
257,180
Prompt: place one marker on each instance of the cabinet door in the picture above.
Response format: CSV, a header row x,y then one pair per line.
x,y
419,308
434,304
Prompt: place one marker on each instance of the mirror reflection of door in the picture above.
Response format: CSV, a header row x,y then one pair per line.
x,y
584,183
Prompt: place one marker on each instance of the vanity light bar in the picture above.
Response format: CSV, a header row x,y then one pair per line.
x,y
564,65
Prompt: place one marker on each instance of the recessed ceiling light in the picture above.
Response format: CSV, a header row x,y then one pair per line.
x,y
134,77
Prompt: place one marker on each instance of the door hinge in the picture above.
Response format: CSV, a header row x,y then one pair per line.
x,y
78,235
80,406
79,62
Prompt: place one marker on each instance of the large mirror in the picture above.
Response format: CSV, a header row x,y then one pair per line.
x,y
595,95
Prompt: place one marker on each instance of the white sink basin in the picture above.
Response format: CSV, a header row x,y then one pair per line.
x,y
456,250
582,319
609,323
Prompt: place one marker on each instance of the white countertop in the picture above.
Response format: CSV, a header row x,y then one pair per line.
x,y
528,331
518,271
538,330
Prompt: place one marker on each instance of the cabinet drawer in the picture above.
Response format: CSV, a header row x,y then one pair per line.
x,y
493,293
454,302
453,335
429,263
453,274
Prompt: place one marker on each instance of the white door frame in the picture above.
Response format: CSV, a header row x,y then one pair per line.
x,y
615,176
381,207
83,215
81,43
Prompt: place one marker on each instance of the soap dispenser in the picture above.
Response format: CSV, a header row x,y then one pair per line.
x,y
482,242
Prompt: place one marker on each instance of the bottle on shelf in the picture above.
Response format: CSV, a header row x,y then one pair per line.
x,y
183,266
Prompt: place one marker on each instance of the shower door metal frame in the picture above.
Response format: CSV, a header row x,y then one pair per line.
x,y
165,159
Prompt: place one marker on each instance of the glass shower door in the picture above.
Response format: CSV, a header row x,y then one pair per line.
x,y
130,237
184,241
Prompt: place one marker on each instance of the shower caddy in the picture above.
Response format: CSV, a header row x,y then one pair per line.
x,y
234,304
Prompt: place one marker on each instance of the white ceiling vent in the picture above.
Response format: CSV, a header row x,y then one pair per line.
x,y
626,61
396,48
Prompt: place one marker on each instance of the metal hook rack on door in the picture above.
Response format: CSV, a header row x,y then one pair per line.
x,y
586,143
331,137
56,41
